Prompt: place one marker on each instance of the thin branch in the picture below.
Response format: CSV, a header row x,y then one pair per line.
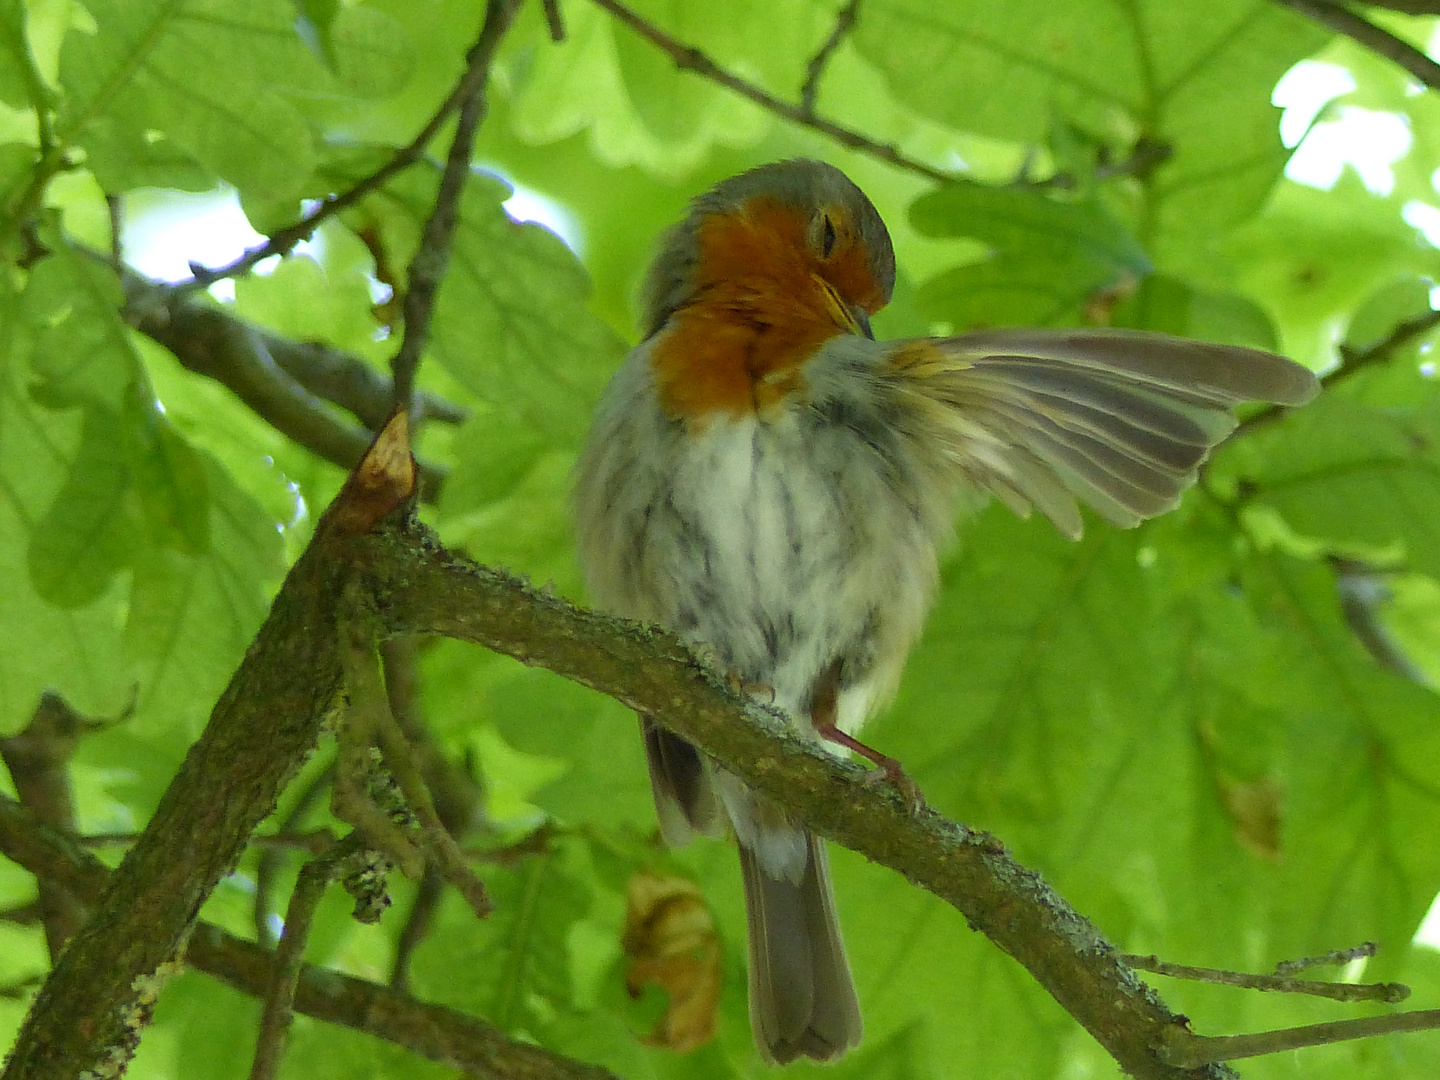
x,y
315,877
368,721
1195,1050
427,268
844,21
338,377
274,847
283,241
690,58
354,385
1344,21
1363,592
115,208
1333,958
435,1032
1390,993
553,22
1352,362
38,759
1409,7
458,797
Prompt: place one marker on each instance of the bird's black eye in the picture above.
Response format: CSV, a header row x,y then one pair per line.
x,y
827,236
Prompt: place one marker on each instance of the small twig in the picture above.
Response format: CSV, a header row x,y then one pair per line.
x,y
1390,993
1379,40
457,796
1351,362
427,268
816,68
1363,591
1333,958
21,989
115,207
690,58
351,799
539,841
24,915
1145,156
315,876
553,22
1188,1051
274,847
417,926
444,853
370,721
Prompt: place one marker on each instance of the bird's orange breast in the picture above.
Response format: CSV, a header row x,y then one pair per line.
x,y
757,315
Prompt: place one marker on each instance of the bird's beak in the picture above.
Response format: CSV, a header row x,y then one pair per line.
x,y
863,321
844,317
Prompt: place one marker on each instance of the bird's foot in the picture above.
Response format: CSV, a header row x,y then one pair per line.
x,y
887,769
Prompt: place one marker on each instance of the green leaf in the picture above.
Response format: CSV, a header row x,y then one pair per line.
x,y
1314,257
19,81
495,449
1392,304
1361,775
1048,257
1172,306
1361,479
202,73
192,616
514,967
511,322
83,353
170,478
90,531
1198,80
374,57
75,651
122,158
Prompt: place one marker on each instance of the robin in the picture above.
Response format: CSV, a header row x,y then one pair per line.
x,y
765,478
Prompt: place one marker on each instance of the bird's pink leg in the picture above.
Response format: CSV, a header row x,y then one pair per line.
x,y
824,706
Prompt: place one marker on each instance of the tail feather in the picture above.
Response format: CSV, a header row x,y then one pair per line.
x,y
683,784
802,997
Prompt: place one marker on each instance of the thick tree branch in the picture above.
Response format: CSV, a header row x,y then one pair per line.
x,y
432,1031
89,1014
690,58
420,587
1344,21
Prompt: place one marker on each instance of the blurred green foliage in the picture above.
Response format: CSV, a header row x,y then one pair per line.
x,y
1177,726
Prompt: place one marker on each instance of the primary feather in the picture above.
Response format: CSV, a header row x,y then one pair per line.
x,y
1117,419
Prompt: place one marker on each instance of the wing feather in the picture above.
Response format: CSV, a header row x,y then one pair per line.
x,y
1120,420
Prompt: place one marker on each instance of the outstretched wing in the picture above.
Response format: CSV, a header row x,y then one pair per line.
x,y
1117,419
